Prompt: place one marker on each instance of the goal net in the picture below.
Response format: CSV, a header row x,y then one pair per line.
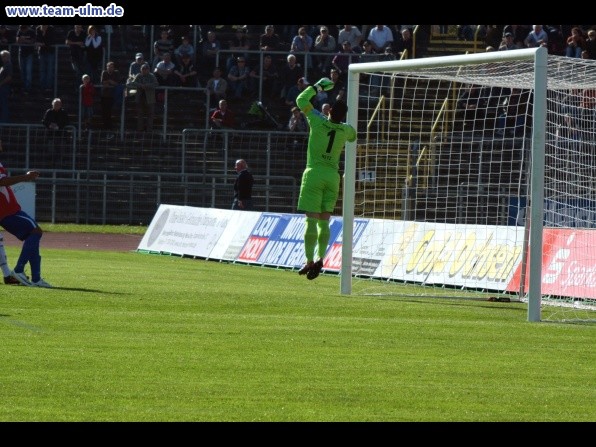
x,y
474,176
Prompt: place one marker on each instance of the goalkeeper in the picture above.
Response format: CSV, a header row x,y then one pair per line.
x,y
319,189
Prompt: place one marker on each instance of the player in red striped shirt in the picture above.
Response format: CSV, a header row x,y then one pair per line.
x,y
18,223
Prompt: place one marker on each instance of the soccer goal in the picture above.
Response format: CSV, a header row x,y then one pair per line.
x,y
474,176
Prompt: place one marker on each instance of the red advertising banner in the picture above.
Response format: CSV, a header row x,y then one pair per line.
x,y
566,271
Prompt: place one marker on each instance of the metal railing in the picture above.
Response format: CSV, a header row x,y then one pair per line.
x,y
123,180
125,198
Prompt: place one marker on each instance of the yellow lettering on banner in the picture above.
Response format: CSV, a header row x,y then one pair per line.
x,y
443,253
468,256
491,262
499,256
461,255
474,258
496,262
419,251
426,258
398,252
509,257
429,260
484,263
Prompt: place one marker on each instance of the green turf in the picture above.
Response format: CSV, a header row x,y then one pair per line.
x,y
141,337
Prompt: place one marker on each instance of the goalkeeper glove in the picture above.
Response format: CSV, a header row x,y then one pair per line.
x,y
324,84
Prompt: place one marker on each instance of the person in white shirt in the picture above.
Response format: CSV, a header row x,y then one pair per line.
x,y
537,37
380,37
352,34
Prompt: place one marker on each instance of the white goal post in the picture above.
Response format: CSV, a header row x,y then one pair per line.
x,y
471,173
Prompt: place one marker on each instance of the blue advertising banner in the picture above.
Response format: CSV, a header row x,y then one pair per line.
x,y
278,239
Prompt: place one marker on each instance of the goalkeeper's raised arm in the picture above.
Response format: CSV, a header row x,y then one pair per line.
x,y
303,99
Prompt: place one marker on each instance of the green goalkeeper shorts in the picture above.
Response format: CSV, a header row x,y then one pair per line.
x,y
319,190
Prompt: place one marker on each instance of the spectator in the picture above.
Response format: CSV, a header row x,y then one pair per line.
x,y
324,43
289,74
269,41
217,87
178,33
494,36
243,187
338,92
87,101
45,41
515,113
239,44
374,81
380,37
325,109
297,121
5,85
590,48
575,43
55,118
75,39
26,41
94,51
185,48
293,92
223,117
537,37
267,77
186,72
387,54
352,34
209,49
164,71
238,78
520,32
110,79
556,41
161,46
466,32
302,43
135,67
471,103
368,53
405,46
5,37
587,110
342,60
145,84
507,43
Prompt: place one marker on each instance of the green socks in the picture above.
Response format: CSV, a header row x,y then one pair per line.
x,y
310,238
316,232
323,237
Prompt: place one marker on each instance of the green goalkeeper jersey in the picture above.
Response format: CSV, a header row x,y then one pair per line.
x,y
326,140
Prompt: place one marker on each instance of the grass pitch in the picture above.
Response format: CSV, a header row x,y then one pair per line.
x,y
140,337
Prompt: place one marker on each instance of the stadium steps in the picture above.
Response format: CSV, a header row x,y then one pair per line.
x,y
444,44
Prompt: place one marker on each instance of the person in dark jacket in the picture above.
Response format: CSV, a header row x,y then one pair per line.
x,y
55,118
243,187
